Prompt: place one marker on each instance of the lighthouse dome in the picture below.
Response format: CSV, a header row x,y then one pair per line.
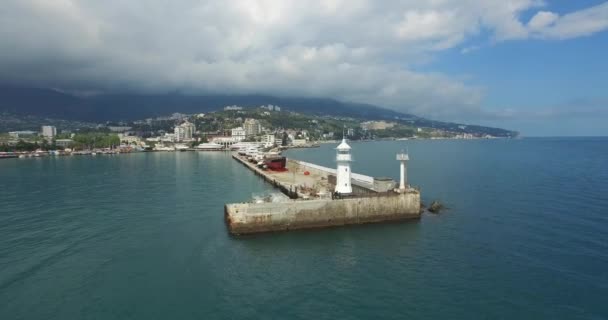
x,y
343,145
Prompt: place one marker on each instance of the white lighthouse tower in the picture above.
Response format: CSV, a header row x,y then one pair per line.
x,y
343,159
403,157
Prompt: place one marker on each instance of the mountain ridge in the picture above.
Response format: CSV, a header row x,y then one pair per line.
x,y
129,107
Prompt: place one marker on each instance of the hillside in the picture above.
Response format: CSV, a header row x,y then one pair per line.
x,y
127,107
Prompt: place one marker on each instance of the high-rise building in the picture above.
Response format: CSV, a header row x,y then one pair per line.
x,y
49,132
184,131
252,127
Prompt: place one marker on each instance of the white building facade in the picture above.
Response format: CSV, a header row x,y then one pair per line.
x,y
184,131
252,127
49,132
238,134
268,139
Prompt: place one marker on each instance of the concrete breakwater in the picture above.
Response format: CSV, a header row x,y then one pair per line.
x,y
312,206
243,218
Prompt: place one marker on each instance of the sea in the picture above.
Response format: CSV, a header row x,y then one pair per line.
x,y
142,236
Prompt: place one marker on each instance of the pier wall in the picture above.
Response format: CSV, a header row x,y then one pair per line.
x,y
244,218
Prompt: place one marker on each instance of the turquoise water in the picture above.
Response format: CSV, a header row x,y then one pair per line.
x,y
142,236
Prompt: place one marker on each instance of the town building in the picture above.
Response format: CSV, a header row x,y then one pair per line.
x,y
119,128
377,125
184,131
298,142
127,139
252,127
22,134
233,108
49,132
268,139
328,135
168,137
64,143
271,107
239,134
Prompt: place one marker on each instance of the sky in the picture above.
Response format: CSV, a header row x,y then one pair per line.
x,y
535,66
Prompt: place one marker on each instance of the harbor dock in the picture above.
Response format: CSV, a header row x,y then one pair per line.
x,y
315,200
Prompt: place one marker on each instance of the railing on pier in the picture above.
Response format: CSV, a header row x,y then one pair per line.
x,y
354,176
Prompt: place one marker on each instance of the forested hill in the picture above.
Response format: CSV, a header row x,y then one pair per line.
x,y
127,107
101,108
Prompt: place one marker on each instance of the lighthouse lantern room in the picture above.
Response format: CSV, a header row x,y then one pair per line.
x,y
343,174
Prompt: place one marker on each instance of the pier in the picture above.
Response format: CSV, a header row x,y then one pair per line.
x,y
314,200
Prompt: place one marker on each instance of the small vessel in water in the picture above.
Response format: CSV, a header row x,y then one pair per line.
x,y
181,147
8,155
163,148
210,146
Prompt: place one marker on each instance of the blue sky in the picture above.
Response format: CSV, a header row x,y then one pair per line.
x,y
569,76
536,66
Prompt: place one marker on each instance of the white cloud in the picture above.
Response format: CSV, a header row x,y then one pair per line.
x,y
542,19
359,50
577,24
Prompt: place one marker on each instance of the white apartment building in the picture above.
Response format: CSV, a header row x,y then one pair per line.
x,y
238,134
64,143
49,132
184,131
268,139
252,127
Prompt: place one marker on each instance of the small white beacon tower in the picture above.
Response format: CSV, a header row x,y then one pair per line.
x,y
403,157
343,159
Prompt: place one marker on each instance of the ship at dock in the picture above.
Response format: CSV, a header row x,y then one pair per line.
x,y
211,146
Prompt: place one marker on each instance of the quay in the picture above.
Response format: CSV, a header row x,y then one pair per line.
x,y
323,197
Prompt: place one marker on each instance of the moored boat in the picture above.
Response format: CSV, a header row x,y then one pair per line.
x,y
210,146
276,163
181,147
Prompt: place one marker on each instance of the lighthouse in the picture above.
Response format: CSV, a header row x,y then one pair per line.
x,y
403,157
343,160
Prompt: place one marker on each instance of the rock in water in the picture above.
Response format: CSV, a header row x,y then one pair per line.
x,y
436,207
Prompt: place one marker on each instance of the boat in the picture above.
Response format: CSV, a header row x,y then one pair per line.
x,y
7,155
252,154
181,147
210,146
276,163
241,145
163,148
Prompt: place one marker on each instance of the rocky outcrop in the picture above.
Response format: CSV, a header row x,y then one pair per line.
x,y
436,207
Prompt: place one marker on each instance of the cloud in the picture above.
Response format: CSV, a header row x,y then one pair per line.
x,y
358,50
577,24
542,19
